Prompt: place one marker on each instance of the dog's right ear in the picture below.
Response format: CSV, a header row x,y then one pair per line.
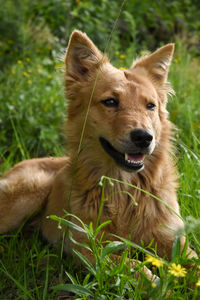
x,y
82,56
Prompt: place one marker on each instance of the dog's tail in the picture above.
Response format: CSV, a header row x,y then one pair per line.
x,y
25,188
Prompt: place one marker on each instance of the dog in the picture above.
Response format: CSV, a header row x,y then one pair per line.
x,y
117,127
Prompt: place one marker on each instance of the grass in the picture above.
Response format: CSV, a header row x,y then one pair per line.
x,y
32,269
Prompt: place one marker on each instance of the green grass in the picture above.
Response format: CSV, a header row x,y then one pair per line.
x,y
33,110
32,88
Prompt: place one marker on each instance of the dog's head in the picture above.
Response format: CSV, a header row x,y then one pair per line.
x,y
118,114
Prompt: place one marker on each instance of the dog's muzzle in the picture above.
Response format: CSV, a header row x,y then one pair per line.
x,y
131,154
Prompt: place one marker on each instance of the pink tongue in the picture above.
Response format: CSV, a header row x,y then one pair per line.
x,y
136,157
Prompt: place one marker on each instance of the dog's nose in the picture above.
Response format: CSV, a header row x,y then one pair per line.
x,y
141,138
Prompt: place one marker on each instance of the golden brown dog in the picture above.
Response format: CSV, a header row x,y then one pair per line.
x,y
116,126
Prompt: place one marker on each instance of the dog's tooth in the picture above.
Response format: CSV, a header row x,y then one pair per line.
x,y
132,162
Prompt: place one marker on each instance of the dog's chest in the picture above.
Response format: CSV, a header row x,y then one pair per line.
x,y
131,212
139,222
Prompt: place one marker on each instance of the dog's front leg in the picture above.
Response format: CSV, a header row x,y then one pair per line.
x,y
24,189
165,244
117,259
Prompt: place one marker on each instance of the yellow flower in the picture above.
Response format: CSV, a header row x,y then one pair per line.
x,y
177,270
144,52
198,282
117,52
122,56
122,68
176,60
155,261
29,81
26,74
175,281
58,66
153,285
39,68
27,59
19,62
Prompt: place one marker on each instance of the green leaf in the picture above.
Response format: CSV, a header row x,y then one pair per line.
x,y
112,248
74,288
86,279
85,261
176,248
132,244
72,279
67,223
101,226
84,245
185,248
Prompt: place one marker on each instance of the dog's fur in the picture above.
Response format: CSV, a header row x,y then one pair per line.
x,y
114,103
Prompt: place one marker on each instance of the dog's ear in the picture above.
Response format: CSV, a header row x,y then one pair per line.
x,y
157,64
82,56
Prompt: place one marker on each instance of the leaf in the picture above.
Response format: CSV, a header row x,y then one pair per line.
x,y
132,244
84,245
85,261
101,226
86,279
74,288
112,248
67,223
72,279
185,248
176,248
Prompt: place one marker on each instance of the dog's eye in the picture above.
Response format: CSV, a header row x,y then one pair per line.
x,y
150,106
110,102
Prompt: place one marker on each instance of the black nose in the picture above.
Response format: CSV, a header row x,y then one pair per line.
x,y
141,138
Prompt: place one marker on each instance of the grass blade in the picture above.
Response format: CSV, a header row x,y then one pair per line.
x,y
176,248
112,248
45,296
18,284
67,223
84,245
74,288
85,261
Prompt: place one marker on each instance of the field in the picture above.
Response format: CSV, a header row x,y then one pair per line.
x,y
31,118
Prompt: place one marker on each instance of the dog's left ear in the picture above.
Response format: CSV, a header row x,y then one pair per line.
x,y
81,57
157,64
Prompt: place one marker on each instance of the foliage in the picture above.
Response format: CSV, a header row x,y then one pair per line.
x,y
31,90
30,25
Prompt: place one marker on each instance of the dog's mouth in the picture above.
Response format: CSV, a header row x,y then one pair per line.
x,y
127,161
